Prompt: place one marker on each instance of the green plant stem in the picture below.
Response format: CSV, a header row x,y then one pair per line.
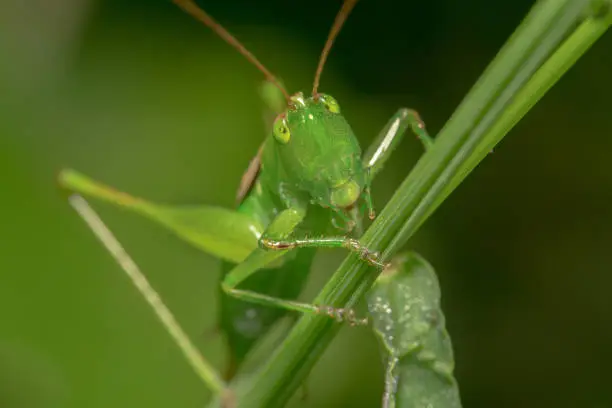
x,y
494,126
518,77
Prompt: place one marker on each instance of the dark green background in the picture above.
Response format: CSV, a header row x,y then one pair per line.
x,y
139,96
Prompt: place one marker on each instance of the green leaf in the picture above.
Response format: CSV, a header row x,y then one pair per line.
x,y
404,306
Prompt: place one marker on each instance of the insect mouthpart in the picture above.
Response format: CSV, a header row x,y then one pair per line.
x,y
346,194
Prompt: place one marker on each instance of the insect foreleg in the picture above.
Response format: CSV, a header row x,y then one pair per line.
x,y
371,257
276,237
387,140
391,135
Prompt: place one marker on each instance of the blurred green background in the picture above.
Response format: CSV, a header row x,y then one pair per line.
x,y
138,95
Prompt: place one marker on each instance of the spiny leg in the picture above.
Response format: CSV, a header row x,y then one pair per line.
x,y
387,140
391,135
371,257
418,127
281,228
277,236
202,368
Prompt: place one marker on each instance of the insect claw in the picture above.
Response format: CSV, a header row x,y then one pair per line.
x,y
342,315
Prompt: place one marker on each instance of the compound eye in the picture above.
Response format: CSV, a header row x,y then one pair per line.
x,y
281,130
330,103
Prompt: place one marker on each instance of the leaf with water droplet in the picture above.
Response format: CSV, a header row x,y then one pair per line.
x,y
404,306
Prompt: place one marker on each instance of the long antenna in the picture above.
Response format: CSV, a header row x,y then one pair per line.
x,y
191,8
340,19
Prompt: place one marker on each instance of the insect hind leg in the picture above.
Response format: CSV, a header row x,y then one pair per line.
x,y
203,368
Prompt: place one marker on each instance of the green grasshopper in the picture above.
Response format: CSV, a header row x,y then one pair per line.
x,y
404,308
307,188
